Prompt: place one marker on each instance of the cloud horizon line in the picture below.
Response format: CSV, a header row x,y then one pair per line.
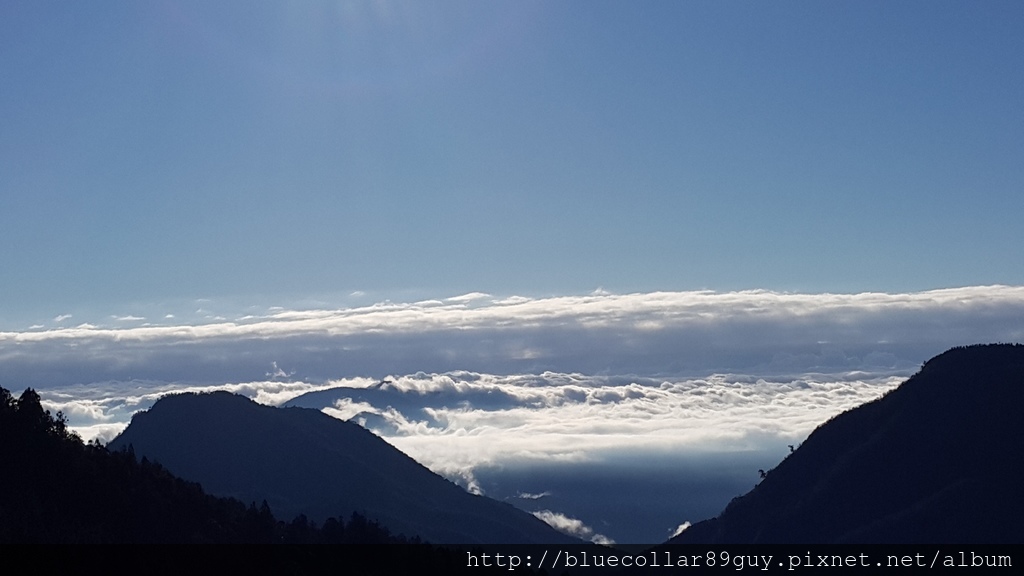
x,y
669,334
649,310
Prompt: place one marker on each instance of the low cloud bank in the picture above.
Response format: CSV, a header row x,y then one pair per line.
x,y
554,417
478,379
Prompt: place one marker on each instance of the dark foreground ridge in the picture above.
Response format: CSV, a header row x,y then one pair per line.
x,y
302,461
56,490
937,460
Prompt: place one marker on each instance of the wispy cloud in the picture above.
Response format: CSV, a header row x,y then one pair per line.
x,y
128,318
528,496
680,529
472,296
572,527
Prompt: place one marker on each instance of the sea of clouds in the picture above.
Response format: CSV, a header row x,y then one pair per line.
x,y
477,383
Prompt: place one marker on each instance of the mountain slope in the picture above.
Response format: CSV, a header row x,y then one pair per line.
x,y
305,462
54,489
938,459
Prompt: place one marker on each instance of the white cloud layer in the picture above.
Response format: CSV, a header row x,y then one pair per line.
x,y
479,379
668,333
456,422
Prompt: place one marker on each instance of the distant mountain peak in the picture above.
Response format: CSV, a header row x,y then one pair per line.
x,y
302,461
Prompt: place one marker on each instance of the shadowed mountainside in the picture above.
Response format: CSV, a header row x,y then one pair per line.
x,y
936,460
303,461
55,489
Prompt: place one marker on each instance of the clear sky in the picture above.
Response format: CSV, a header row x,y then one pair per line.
x,y
272,152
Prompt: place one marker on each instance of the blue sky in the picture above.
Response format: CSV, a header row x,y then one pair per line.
x,y
274,152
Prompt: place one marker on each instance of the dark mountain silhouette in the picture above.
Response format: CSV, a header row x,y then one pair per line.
x,y
55,489
303,461
936,460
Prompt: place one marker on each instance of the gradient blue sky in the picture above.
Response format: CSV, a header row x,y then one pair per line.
x,y
272,152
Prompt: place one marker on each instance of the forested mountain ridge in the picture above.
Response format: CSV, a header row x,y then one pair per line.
x,y
55,489
937,459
